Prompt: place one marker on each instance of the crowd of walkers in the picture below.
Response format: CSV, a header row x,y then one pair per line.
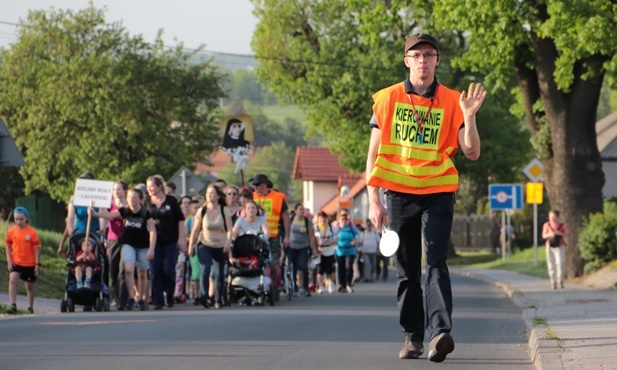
x,y
161,250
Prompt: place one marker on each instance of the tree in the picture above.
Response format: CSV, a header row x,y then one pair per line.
x,y
560,52
81,94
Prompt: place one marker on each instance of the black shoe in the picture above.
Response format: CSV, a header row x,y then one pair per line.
x,y
440,346
205,301
196,302
131,304
30,310
120,307
12,310
142,305
87,308
170,304
158,306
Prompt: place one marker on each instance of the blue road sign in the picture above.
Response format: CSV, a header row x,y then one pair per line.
x,y
505,196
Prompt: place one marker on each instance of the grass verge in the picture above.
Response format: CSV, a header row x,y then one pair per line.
x,y
50,282
521,261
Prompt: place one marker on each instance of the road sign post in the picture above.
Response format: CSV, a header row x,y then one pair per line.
x,y
503,197
534,171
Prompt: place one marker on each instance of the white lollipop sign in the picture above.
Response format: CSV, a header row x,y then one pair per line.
x,y
389,242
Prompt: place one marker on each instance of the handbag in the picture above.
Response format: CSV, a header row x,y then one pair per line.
x,y
555,241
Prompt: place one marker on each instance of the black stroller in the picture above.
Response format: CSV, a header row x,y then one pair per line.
x,y
247,282
97,295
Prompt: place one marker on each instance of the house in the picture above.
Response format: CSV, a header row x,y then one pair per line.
x,y
187,183
323,179
606,133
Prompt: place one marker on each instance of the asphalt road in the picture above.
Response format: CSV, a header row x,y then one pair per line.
x,y
331,331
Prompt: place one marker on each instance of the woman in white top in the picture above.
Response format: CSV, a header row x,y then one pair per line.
x,y
212,231
370,243
326,244
251,223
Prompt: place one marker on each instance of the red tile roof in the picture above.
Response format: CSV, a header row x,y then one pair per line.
x,y
317,164
356,183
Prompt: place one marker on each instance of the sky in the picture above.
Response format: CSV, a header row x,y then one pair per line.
x,y
194,22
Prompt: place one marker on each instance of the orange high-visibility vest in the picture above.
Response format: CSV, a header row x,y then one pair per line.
x,y
415,162
272,204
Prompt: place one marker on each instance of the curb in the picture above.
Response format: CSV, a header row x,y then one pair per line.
x,y
545,353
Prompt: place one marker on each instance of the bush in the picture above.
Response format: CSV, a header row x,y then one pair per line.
x,y
597,240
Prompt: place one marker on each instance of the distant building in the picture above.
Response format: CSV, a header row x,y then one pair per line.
x,y
606,132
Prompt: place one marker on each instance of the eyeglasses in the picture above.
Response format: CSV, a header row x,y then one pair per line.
x,y
417,56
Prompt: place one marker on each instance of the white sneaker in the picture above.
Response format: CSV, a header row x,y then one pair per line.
x,y
349,289
330,288
320,290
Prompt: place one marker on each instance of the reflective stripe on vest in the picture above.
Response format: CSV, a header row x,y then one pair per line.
x,y
408,181
415,170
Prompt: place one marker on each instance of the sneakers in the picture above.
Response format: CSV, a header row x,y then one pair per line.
x,y
341,289
411,349
440,346
30,310
80,284
142,305
87,284
330,287
320,290
205,301
12,310
349,289
131,304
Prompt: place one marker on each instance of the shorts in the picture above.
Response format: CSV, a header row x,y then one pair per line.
x,y
25,273
326,266
275,250
139,256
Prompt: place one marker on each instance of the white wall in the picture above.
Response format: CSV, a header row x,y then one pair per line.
x,y
317,194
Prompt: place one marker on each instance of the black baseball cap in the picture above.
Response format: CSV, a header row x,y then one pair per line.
x,y
419,38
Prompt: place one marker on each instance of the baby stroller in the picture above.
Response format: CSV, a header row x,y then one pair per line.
x,y
246,280
97,295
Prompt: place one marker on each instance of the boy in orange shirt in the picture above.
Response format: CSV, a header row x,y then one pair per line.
x,y
23,257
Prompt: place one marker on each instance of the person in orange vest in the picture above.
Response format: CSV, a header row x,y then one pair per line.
x,y
275,206
417,127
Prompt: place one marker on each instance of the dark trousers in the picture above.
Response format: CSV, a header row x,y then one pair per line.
x,y
381,267
114,252
344,270
163,272
411,215
208,258
299,258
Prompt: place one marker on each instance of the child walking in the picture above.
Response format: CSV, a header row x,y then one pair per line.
x,y
23,258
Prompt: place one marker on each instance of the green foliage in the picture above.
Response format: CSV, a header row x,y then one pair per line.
x,y
243,85
81,94
597,239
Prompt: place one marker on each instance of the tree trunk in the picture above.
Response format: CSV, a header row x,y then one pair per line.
x,y
573,176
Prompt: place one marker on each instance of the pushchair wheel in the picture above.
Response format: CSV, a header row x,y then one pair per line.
x,y
70,305
63,306
98,305
106,304
271,294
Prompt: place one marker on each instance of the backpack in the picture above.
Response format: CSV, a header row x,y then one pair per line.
x,y
203,213
555,241
306,222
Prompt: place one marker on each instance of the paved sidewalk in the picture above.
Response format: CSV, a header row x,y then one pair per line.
x,y
571,328
41,305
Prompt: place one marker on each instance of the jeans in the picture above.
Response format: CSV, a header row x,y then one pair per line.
x,y
299,258
369,265
344,269
211,257
381,267
163,272
411,215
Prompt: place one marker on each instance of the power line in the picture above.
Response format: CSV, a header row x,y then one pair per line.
x,y
254,56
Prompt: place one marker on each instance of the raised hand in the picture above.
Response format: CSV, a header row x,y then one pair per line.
x,y
471,101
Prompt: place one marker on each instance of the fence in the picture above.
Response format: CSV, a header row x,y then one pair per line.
x,y
45,213
475,232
